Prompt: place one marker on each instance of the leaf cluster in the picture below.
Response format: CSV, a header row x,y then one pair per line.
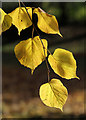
x,y
33,51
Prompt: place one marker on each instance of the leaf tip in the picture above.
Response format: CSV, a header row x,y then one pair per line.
x,y
61,109
19,33
78,78
60,34
32,72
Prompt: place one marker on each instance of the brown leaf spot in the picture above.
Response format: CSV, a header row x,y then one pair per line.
x,y
40,10
48,15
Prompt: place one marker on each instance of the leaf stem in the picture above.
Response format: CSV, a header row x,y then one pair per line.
x,y
41,41
48,70
46,60
30,18
32,32
19,3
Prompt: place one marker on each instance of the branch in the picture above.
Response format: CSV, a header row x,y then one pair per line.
x,y
41,41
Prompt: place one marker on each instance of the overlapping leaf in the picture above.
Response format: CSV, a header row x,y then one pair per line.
x,y
63,63
53,94
30,53
46,22
21,19
5,21
33,51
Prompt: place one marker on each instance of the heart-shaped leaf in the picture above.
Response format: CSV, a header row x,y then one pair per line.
x,y
30,53
21,19
53,94
5,21
46,22
63,63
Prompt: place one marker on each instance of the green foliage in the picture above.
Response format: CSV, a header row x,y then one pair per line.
x,y
73,12
77,13
51,7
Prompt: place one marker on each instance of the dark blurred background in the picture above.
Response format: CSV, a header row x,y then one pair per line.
x,y
20,88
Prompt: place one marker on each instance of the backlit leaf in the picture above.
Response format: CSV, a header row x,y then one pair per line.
x,y
5,21
46,22
21,19
30,53
53,94
63,63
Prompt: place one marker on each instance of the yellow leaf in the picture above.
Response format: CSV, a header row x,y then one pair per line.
x,y
2,14
54,94
5,21
21,19
63,63
30,53
46,22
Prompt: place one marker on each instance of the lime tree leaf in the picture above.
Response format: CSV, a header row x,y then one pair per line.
x,y
30,53
46,22
21,19
5,21
53,94
63,63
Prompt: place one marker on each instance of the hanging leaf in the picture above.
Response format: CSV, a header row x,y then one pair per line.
x,y
5,21
63,63
53,94
21,19
30,53
46,22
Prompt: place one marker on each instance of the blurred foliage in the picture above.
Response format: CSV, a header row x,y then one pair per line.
x,y
75,11
71,12
53,8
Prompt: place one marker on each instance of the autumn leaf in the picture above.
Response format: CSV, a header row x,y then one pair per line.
x,y
30,53
21,19
5,21
46,22
53,94
63,63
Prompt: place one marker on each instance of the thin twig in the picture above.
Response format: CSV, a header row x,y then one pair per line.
x,y
32,32
30,18
48,70
41,42
19,3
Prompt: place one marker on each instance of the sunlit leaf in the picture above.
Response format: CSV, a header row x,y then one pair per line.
x,y
63,63
30,53
5,21
54,94
46,22
21,19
